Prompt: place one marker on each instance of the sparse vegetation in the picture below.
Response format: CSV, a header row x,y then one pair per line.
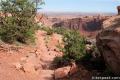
x,y
74,46
61,30
17,22
49,31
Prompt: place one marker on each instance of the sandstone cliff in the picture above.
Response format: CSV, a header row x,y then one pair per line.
x,y
108,43
88,26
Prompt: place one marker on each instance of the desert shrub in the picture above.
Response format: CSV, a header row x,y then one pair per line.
x,y
17,23
61,30
60,62
58,30
74,46
49,31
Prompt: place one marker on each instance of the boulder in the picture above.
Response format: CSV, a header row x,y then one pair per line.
x,y
62,72
108,43
73,69
66,71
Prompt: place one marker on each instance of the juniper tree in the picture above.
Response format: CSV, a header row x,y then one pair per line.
x,y
17,22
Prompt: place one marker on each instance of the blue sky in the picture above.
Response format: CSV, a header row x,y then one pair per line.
x,y
81,5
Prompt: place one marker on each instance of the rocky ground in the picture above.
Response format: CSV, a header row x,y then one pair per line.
x,y
29,62
33,62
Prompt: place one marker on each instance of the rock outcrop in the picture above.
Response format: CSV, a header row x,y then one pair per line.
x,y
62,72
83,24
65,71
79,24
108,43
87,25
118,8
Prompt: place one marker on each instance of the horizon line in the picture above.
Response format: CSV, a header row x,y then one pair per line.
x,y
76,12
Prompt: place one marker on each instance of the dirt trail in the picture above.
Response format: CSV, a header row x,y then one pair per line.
x,y
45,51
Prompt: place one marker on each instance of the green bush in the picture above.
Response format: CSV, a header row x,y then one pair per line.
x,y
60,62
74,46
19,25
60,30
49,31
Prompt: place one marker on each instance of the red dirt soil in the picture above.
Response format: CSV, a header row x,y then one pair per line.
x,y
8,57
42,54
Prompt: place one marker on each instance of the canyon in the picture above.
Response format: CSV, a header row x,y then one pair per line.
x,y
88,26
34,62
58,45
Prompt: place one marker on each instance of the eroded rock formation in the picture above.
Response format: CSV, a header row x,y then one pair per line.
x,y
82,23
108,43
85,24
